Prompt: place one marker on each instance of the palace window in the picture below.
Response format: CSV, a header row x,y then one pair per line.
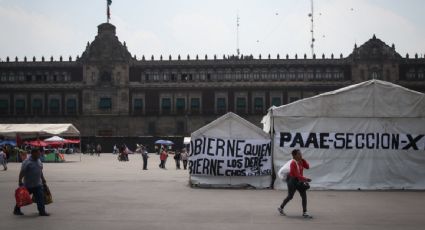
x,y
180,105
221,105
37,106
105,103
276,101
166,77
20,106
166,105
71,106
421,74
138,105
240,105
195,105
54,106
258,104
4,107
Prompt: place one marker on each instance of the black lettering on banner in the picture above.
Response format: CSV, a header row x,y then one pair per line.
x,y
210,146
198,146
284,137
238,147
253,162
235,172
198,166
203,149
377,140
231,147
385,140
235,163
349,140
311,139
220,146
267,149
298,139
324,140
360,140
205,166
247,150
190,166
339,141
369,143
412,141
395,141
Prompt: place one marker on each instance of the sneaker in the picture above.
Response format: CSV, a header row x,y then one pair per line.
x,y
281,212
18,213
44,214
306,215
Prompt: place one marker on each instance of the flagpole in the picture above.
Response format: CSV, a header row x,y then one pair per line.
x,y
107,11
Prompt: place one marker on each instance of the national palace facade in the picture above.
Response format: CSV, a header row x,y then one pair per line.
x,y
109,92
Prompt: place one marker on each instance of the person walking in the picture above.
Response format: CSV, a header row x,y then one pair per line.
x,y
294,182
184,158
177,158
32,174
163,158
3,158
98,149
115,149
145,157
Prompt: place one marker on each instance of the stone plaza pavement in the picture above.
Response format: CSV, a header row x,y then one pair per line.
x,y
102,193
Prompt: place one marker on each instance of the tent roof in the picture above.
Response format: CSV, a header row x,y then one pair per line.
x,y
233,126
372,98
42,129
54,139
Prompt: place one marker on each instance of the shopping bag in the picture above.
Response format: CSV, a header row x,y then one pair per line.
x,y
22,197
48,199
284,170
46,194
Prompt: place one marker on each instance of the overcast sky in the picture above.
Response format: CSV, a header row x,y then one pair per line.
x,y
154,27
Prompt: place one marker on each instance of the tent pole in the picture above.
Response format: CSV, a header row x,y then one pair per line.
x,y
272,142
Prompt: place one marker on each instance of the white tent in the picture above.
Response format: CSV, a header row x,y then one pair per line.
x,y
230,152
54,139
38,129
369,136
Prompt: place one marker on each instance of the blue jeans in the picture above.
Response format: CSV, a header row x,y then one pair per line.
x,y
38,193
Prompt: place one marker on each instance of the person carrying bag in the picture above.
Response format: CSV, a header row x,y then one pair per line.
x,y
295,181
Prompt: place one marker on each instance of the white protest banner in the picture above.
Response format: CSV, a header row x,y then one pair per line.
x,y
352,153
215,156
350,140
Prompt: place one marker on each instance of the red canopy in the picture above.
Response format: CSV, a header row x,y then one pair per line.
x,y
70,141
36,143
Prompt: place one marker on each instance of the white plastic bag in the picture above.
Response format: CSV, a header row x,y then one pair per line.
x,y
284,170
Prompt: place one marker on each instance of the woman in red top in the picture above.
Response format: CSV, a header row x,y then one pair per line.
x,y
295,176
163,158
